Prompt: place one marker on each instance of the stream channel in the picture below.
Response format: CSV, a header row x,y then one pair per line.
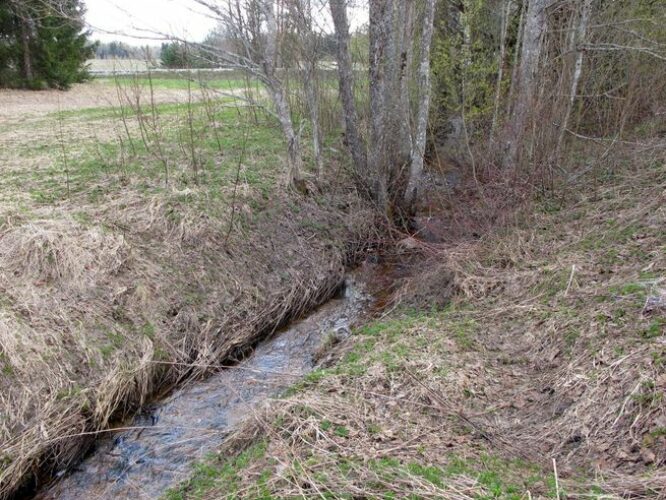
x,y
169,436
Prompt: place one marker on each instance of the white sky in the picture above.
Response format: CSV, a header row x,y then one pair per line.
x,y
137,21
126,20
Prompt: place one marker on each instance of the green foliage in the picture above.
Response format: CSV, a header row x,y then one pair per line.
x,y
62,49
43,45
464,61
176,55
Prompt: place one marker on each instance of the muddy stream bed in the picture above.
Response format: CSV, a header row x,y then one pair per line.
x,y
158,447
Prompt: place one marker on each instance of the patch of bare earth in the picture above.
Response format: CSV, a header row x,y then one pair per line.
x,y
544,377
23,105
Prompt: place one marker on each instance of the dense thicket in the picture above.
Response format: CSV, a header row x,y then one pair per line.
x,y
43,43
521,79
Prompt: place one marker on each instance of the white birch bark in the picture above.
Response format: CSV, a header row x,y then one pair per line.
x,y
279,97
535,25
419,141
580,36
301,10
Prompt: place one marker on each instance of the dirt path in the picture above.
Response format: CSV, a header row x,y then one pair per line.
x,y
18,105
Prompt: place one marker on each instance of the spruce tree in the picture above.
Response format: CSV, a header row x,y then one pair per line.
x,y
43,43
62,46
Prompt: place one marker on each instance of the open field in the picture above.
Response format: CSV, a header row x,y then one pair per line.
x,y
138,230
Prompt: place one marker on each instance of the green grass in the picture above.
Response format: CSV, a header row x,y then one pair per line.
x,y
224,475
98,169
499,478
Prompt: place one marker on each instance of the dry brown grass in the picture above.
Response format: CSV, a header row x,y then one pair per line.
x,y
22,105
87,311
108,296
547,357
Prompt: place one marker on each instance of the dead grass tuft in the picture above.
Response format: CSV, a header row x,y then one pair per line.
x,y
61,253
91,309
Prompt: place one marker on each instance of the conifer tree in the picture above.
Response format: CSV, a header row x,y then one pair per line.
x,y
43,43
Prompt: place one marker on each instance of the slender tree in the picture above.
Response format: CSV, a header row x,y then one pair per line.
x,y
526,77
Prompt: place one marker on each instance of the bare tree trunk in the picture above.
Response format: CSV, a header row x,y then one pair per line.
x,y
402,66
380,30
581,34
354,140
310,82
308,49
25,47
504,23
294,158
535,25
278,95
419,142
516,57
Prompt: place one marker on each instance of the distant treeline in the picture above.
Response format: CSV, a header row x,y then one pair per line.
x,y
121,50
43,43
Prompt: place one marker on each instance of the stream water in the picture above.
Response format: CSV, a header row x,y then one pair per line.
x,y
157,450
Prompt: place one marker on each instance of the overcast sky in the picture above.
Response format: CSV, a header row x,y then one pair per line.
x,y
110,19
129,20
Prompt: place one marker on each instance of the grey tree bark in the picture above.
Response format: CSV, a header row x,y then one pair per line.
x,y
516,58
504,25
535,26
353,136
387,68
301,11
278,94
399,97
579,41
423,107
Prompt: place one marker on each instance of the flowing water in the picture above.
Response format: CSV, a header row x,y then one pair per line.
x,y
158,449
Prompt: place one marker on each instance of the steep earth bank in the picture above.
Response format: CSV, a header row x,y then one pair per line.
x,y
102,313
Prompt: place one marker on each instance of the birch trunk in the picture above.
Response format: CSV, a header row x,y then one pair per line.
x,y
419,141
346,78
279,97
504,22
581,34
303,13
535,25
310,82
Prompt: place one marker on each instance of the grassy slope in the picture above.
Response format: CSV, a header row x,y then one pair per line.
x,y
108,275
547,356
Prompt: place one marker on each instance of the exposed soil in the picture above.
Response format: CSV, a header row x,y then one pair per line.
x,y
21,105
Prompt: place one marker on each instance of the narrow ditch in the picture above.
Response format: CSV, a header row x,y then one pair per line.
x,y
157,449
